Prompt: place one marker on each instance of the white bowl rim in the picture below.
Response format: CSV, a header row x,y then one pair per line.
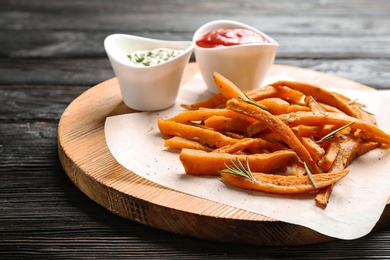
x,y
112,37
204,29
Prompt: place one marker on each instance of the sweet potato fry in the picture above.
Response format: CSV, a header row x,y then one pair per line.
x,y
204,136
215,101
250,143
307,131
310,118
313,148
197,162
203,114
297,169
319,94
349,150
277,126
296,108
262,93
364,115
228,89
283,184
256,128
178,142
295,137
275,106
291,95
226,124
330,156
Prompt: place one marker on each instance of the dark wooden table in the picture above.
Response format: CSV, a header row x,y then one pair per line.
x,y
52,51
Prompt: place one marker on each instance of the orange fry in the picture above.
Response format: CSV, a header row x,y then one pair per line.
x,y
262,93
204,136
256,128
330,156
291,95
310,118
294,137
275,106
197,162
319,94
313,148
277,126
283,184
222,123
297,169
214,101
349,150
250,143
204,113
306,131
178,142
228,89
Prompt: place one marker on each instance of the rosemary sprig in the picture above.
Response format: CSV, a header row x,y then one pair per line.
x,y
253,102
239,169
361,108
330,136
319,106
310,175
365,110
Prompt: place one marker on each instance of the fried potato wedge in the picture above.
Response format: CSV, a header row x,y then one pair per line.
x,y
178,142
205,113
295,137
277,126
228,89
197,162
349,150
319,94
313,119
248,143
227,124
202,135
283,184
217,100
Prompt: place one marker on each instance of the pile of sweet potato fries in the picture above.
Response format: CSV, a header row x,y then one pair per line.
x,y
285,138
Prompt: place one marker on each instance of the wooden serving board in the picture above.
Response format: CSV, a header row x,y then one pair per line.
x,y
89,164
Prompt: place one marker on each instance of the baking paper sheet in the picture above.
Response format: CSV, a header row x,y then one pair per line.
x,y
356,203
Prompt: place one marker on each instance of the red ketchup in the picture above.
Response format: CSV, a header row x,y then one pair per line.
x,y
229,37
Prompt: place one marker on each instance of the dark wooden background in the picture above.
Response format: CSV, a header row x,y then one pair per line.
x,y
52,51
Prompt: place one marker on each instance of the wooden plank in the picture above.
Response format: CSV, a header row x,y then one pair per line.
x,y
76,44
89,164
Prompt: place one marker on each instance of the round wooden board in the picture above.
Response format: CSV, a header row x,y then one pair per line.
x,y
89,164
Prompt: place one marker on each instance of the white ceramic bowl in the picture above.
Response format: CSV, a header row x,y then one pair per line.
x,y
246,65
148,88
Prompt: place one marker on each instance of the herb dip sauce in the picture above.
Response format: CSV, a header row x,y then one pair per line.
x,y
153,57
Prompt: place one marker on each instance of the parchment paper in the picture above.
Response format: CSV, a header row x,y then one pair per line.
x,y
356,203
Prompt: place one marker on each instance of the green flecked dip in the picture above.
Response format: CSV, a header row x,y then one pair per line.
x,y
153,57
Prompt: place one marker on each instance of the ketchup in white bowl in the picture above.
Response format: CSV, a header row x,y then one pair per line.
x,y
236,50
228,37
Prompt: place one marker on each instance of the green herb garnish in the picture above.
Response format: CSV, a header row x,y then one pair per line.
x,y
239,169
330,136
310,175
319,106
364,110
253,102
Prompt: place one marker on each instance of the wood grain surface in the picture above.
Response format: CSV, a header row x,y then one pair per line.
x,y
90,165
52,52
